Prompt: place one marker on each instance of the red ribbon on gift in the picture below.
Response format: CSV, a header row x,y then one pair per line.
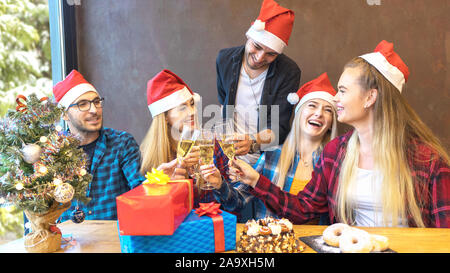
x,y
212,210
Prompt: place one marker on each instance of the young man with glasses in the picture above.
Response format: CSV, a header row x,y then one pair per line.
x,y
114,155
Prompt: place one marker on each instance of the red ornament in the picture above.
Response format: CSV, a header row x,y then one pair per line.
x,y
55,229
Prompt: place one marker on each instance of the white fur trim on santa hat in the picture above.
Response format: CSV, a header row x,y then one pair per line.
x,y
392,73
169,102
74,93
293,98
315,95
266,38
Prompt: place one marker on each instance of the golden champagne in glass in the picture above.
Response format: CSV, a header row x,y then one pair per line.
x,y
206,145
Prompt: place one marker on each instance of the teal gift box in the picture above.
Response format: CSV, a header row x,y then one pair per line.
x,y
195,235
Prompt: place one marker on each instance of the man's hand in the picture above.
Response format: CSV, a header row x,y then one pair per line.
x,y
242,144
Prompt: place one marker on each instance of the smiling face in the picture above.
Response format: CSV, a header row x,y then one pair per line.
x,y
351,99
316,118
182,115
258,56
87,122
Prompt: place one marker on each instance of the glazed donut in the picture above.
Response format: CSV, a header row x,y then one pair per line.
x,y
332,233
355,241
379,243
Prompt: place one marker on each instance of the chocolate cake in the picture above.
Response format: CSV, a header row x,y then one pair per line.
x,y
269,235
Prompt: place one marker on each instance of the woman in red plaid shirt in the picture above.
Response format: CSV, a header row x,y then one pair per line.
x,y
389,171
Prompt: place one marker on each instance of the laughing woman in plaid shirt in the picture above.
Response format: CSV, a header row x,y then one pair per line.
x,y
389,171
114,158
288,166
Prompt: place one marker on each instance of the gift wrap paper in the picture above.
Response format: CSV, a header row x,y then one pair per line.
x,y
152,209
194,235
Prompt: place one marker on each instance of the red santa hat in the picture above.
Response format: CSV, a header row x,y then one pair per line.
x,y
73,86
166,91
273,26
319,88
388,63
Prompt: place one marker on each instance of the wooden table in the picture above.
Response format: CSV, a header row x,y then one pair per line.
x,y
102,237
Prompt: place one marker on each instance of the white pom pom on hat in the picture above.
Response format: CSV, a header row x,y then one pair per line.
x,y
293,98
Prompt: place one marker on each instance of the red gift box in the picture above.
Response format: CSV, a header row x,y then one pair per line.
x,y
152,209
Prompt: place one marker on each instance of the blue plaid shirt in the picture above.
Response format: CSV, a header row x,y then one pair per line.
x,y
236,197
115,169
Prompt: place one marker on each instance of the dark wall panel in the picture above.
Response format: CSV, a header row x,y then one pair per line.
x,y
122,44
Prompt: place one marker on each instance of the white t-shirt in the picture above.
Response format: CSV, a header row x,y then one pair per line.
x,y
367,199
248,97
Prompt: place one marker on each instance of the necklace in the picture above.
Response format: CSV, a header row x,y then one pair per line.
x,y
251,87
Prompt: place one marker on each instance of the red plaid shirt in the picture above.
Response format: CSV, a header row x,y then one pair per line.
x,y
432,180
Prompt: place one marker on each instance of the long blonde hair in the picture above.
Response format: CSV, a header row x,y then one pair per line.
x,y
156,146
292,145
395,126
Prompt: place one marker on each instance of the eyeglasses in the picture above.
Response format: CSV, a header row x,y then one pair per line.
x,y
85,105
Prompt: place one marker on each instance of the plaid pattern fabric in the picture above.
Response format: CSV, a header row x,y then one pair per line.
x,y
432,180
115,170
236,197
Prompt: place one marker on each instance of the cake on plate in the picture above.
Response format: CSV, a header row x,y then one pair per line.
x,y
269,235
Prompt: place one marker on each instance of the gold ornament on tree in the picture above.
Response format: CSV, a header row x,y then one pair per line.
x,y
63,193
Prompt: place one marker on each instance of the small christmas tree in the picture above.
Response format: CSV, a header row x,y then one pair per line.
x,y
41,167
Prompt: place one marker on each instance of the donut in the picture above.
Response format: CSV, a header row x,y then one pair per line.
x,y
332,233
355,241
264,230
379,243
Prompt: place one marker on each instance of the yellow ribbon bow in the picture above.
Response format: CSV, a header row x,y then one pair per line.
x,y
156,177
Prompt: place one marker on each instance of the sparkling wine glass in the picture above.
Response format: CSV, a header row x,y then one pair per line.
x,y
187,140
226,136
206,145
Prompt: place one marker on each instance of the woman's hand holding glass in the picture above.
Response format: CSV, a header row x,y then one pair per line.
x,y
212,175
174,168
243,171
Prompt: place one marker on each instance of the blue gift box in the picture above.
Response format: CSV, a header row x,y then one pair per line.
x,y
194,235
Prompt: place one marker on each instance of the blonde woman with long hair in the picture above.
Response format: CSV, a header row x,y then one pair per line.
x,y
389,171
172,106
290,165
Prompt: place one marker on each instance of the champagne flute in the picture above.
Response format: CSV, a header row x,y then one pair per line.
x,y
187,140
226,136
206,144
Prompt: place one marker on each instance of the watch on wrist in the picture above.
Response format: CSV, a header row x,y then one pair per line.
x,y
254,147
